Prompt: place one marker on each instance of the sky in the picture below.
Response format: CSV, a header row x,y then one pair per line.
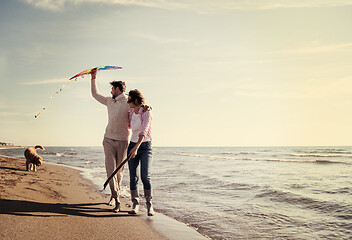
x,y
216,73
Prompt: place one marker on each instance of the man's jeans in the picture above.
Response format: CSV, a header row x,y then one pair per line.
x,y
144,156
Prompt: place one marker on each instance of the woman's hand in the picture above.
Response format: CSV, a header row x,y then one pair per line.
x,y
133,151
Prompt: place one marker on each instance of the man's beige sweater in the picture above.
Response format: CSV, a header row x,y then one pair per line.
x,y
117,128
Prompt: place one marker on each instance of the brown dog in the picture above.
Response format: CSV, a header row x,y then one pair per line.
x,y
32,158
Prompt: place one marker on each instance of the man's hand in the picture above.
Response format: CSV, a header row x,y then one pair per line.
x,y
93,73
146,108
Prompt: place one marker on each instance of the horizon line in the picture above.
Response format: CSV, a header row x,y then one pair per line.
x,y
20,146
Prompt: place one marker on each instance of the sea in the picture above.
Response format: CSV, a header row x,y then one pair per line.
x,y
239,192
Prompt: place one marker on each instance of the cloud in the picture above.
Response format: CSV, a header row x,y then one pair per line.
x,y
205,6
59,5
48,81
52,5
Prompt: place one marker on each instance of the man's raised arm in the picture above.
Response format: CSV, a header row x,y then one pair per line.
x,y
95,93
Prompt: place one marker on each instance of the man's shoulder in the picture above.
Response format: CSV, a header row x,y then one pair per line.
x,y
121,98
109,99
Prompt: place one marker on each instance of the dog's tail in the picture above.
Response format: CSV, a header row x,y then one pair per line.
x,y
40,147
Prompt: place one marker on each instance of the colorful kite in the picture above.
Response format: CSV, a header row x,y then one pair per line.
x,y
74,79
85,72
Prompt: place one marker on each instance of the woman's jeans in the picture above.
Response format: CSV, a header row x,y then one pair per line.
x,y
144,156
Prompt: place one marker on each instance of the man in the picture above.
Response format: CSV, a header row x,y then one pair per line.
x,y
115,141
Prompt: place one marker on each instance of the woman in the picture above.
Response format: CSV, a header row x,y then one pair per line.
x,y
140,149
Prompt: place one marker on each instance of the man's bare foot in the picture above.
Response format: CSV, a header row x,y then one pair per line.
x,y
117,207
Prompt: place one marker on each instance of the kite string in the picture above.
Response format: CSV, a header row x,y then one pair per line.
x,y
74,79
56,93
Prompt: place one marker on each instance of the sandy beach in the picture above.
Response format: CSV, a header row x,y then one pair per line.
x,y
56,202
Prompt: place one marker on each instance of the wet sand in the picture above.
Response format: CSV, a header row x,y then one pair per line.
x,y
56,202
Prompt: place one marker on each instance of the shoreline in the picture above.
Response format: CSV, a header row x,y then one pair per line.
x,y
165,225
56,194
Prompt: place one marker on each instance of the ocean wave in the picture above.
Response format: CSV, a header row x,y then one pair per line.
x,y
274,218
59,154
189,154
202,155
324,150
293,160
296,160
275,158
237,153
328,162
48,153
333,208
220,154
297,186
241,186
216,182
45,152
344,190
228,153
314,155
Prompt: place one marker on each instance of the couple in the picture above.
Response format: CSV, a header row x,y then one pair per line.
x,y
125,114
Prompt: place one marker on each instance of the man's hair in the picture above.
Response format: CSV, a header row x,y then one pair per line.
x,y
119,84
136,96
